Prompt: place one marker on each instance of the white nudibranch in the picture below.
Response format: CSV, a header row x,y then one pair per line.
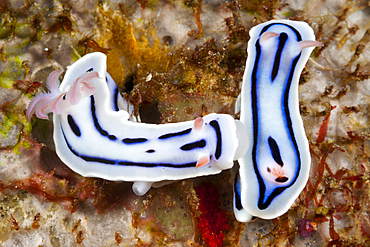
x,y
94,137
275,169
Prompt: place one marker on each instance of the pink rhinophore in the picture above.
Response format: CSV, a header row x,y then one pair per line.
x,y
58,102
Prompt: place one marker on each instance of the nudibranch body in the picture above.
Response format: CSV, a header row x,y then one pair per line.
x,y
276,167
94,137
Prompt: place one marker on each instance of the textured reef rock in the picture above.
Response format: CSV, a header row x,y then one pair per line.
x,y
175,61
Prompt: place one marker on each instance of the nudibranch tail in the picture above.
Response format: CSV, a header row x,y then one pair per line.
x,y
240,213
275,169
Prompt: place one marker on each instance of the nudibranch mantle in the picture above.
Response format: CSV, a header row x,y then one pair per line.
x,y
275,168
94,137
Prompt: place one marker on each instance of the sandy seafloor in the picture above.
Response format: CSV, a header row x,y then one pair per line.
x,y
175,61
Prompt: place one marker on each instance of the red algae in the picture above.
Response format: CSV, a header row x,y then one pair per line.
x,y
92,46
68,193
14,223
213,221
324,127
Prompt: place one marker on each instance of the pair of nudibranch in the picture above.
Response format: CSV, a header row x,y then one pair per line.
x,y
96,135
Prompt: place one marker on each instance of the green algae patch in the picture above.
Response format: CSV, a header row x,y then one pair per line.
x,y
12,117
13,69
6,125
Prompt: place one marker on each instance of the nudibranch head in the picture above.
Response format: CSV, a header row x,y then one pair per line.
x,y
281,43
57,101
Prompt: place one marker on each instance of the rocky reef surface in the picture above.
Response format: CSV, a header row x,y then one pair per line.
x,y
175,61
